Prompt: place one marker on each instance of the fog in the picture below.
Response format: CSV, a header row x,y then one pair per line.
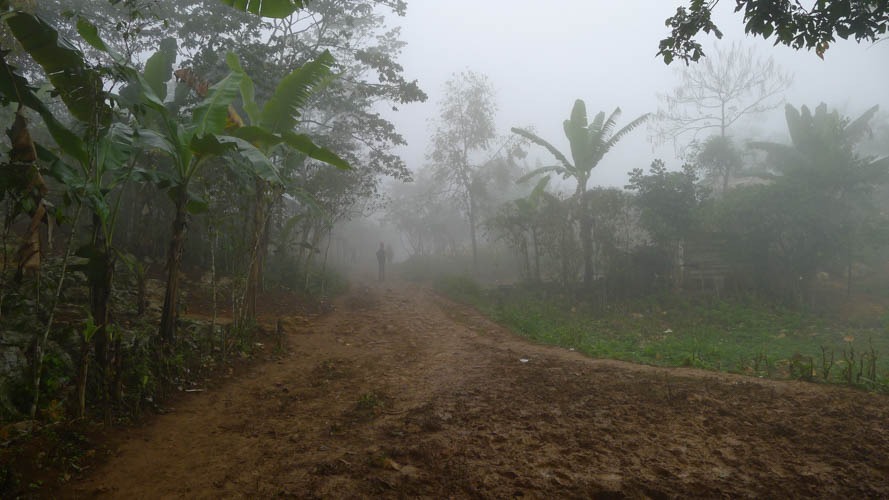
x,y
540,58
408,255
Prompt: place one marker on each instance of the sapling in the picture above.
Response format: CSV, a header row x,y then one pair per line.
x,y
849,358
826,365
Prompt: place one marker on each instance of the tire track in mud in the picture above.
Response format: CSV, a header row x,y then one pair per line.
x,y
399,392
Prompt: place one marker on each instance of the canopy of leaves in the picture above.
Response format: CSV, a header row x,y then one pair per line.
x,y
667,201
822,151
464,128
791,24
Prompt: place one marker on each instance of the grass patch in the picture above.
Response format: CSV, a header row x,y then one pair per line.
x,y
748,335
370,405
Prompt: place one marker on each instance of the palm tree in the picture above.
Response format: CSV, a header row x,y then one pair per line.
x,y
589,142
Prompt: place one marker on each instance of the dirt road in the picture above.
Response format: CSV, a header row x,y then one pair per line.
x,y
401,393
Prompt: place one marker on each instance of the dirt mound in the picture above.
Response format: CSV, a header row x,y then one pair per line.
x,y
399,393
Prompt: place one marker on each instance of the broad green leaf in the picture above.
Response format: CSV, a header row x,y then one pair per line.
x,y
90,34
89,328
258,136
267,8
305,145
576,130
210,145
293,91
79,86
531,136
211,116
248,97
558,169
257,161
57,168
861,125
15,87
95,198
116,148
146,95
151,140
626,129
159,68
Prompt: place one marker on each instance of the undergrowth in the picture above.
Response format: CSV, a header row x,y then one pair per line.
x,y
743,335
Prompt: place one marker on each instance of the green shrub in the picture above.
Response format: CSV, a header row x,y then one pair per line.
x,y
460,287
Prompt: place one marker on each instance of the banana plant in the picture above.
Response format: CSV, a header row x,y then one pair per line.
x,y
821,165
89,165
270,128
217,129
589,142
821,152
66,70
190,147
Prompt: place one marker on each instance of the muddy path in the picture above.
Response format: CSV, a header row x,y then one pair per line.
x,y
401,393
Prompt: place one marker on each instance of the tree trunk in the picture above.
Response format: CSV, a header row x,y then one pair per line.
x,y
170,314
536,255
324,264
526,258
849,262
472,235
118,371
82,372
586,231
565,244
99,306
586,240
141,288
258,247
100,296
214,239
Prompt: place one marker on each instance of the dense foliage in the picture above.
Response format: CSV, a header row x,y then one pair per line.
x,y
164,148
160,152
791,24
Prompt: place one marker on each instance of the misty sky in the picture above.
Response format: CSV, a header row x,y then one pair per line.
x,y
541,56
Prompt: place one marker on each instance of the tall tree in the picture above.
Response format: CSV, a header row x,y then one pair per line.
x,y
667,204
271,130
715,94
345,118
792,24
718,158
465,128
589,141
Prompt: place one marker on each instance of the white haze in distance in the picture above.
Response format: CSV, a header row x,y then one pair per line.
x,y
541,56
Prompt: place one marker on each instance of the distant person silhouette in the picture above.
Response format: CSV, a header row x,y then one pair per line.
x,y
381,259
